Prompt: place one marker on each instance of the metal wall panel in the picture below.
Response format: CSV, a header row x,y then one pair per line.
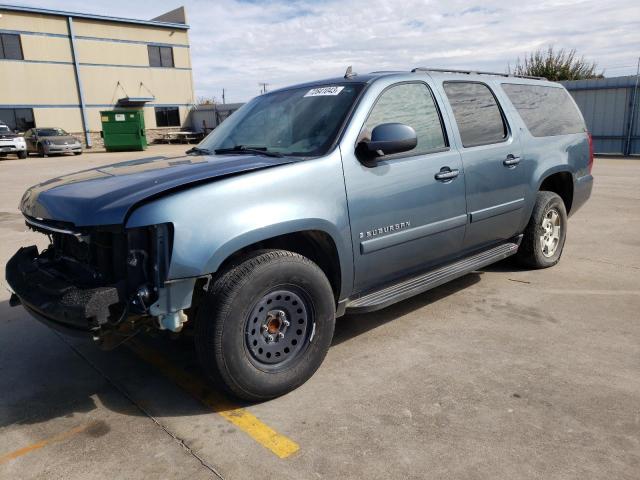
x,y
205,118
606,105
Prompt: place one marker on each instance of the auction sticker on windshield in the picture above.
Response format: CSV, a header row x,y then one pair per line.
x,y
323,91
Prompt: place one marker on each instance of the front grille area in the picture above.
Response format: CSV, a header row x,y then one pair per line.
x,y
62,142
96,259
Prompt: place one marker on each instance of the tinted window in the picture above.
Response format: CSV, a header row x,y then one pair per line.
x,y
477,113
160,56
166,56
10,47
546,111
154,56
51,132
20,119
167,117
413,105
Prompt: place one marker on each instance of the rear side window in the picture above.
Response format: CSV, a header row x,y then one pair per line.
x,y
477,113
546,111
411,104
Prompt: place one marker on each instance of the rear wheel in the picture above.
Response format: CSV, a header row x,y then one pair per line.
x,y
544,237
266,324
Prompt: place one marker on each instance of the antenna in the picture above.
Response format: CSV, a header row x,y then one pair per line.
x,y
349,73
263,87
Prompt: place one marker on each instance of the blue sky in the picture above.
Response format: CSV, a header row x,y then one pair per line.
x,y
236,44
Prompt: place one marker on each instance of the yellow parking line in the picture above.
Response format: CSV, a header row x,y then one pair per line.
x,y
241,418
43,443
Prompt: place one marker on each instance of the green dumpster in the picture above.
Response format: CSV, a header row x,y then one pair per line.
x,y
123,130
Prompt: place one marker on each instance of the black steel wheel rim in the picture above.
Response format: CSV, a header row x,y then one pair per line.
x,y
279,328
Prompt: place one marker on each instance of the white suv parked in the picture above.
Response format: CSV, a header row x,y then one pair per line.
x,y
11,142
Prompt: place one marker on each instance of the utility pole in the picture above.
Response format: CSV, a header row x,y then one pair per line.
x,y
223,99
263,87
627,149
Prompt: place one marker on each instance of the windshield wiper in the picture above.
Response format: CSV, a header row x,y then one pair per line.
x,y
245,149
199,151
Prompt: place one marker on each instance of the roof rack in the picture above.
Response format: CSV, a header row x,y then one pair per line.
x,y
469,72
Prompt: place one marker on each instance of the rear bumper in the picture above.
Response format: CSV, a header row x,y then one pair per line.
x,y
56,301
581,192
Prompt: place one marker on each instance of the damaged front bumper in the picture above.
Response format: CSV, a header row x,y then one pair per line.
x,y
105,284
57,301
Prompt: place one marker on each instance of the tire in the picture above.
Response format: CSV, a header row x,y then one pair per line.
x,y
541,245
77,153
22,154
264,295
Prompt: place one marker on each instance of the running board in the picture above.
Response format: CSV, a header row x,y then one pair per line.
x,y
408,288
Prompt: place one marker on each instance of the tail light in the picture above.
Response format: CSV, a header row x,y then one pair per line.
x,y
590,164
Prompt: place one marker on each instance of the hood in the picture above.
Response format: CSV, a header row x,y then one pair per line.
x,y
104,195
8,135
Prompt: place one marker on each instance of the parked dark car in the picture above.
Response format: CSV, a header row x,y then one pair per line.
x,y
340,195
51,141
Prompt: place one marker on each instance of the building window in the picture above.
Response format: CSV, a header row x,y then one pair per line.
x,y
167,117
10,47
160,56
20,119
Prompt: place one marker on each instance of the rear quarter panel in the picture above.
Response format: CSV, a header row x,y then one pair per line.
x,y
545,156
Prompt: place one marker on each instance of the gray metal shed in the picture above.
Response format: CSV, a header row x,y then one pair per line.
x,y
205,118
607,107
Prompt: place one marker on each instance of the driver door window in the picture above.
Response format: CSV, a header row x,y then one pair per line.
x,y
411,104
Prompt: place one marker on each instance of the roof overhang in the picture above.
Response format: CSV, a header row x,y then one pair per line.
x,y
104,18
134,101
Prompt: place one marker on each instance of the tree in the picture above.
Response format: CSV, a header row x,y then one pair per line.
x,y
206,101
557,65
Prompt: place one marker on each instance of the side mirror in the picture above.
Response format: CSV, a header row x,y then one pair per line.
x,y
389,138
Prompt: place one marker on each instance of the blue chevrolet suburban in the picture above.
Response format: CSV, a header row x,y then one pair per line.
x,y
340,195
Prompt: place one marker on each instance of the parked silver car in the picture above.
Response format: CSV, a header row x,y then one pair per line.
x,y
50,141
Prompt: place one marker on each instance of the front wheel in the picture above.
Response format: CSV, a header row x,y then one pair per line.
x,y
545,234
22,154
265,325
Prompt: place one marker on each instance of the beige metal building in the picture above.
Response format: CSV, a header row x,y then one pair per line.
x,y
59,69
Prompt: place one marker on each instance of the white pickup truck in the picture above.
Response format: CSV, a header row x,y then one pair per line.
x,y
11,142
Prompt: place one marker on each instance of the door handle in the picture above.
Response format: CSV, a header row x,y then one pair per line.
x,y
446,174
511,161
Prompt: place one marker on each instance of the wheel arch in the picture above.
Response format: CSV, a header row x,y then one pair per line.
x,y
561,183
313,242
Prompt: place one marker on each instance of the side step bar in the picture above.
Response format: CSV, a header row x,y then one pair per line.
x,y
408,288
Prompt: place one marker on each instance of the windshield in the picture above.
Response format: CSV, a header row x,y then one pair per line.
x,y
299,121
4,129
51,132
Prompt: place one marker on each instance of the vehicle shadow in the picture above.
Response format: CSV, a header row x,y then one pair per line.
x,y
45,375
352,325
